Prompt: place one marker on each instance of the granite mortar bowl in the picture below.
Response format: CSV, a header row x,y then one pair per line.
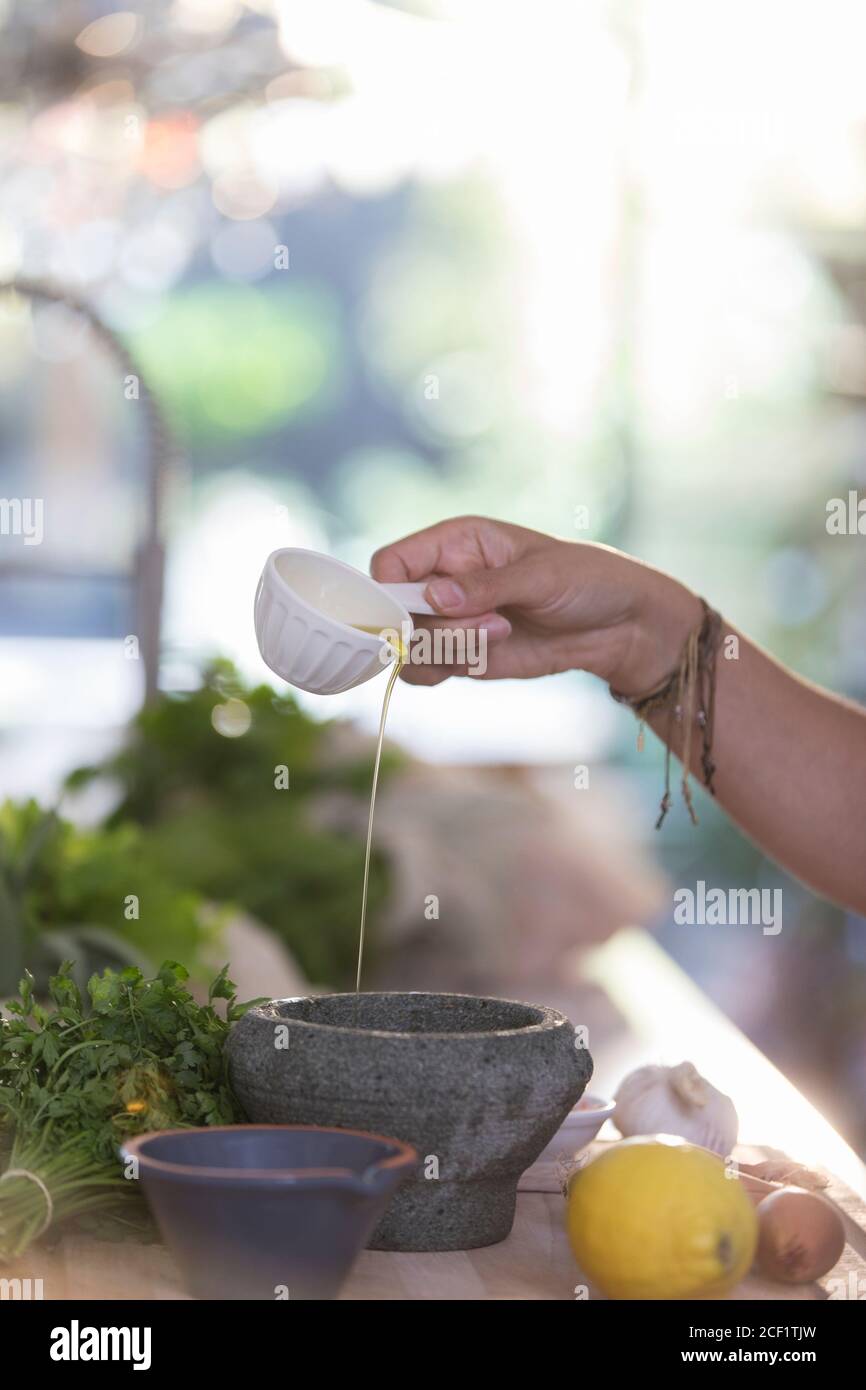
x,y
478,1086
267,1211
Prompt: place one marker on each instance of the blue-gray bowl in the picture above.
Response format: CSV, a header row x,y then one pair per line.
x,y
267,1211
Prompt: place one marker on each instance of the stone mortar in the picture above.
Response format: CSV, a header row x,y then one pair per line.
x,y
478,1086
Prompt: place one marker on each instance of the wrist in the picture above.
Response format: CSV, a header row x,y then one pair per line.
x,y
665,612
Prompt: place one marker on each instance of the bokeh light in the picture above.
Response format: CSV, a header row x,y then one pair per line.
x,y
232,361
232,719
169,153
110,35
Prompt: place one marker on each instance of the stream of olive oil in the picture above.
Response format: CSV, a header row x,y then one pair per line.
x,y
392,680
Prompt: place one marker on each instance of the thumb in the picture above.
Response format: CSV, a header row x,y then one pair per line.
x,y
478,591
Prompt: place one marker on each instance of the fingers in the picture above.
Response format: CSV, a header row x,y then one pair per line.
x,y
411,558
426,675
450,547
482,589
518,658
496,625
420,671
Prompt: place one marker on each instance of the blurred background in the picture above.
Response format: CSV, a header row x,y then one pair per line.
x,y
321,272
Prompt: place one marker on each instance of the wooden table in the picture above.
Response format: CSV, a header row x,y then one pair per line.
x,y
638,1007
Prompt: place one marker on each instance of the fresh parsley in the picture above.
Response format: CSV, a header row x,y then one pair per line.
x,y
77,1078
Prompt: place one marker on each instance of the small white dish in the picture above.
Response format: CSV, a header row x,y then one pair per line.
x,y
305,609
587,1117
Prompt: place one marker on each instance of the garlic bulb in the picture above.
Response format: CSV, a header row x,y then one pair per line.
x,y
676,1100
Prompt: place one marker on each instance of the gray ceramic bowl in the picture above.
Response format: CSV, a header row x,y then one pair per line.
x,y
267,1211
477,1086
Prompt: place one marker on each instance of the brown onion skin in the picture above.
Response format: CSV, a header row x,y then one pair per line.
x,y
800,1235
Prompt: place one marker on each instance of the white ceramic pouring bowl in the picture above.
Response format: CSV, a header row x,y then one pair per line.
x,y
305,606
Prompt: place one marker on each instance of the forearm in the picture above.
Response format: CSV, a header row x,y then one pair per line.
x,y
790,758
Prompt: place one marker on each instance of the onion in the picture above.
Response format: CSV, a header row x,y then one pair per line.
x,y
800,1235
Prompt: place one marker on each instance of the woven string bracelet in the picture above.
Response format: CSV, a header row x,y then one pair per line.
x,y
689,693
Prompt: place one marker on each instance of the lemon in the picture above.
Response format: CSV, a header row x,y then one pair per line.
x,y
656,1217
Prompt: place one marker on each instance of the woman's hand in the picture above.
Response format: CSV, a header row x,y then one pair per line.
x,y
790,758
547,605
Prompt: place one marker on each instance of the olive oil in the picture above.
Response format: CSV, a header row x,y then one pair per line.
x,y
392,681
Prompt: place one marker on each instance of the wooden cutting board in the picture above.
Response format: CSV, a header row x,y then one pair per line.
x,y
535,1263
638,1009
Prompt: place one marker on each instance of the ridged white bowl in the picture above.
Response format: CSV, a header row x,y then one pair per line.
x,y
305,606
